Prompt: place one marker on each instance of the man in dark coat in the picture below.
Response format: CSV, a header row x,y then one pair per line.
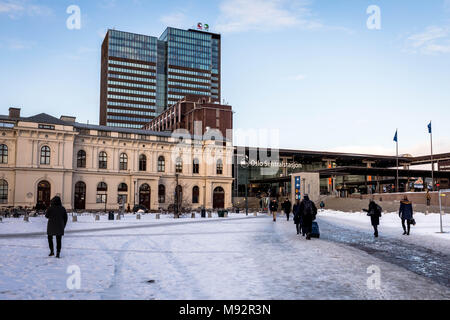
x,y
406,214
298,219
273,209
287,206
374,212
308,211
57,220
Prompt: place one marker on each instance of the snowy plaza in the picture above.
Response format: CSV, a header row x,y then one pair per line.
x,y
238,257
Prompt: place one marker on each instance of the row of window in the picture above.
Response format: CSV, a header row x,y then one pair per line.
x,y
123,163
194,73
188,85
114,76
130,105
125,118
113,96
201,93
132,85
122,35
136,112
144,73
102,192
135,91
172,77
132,64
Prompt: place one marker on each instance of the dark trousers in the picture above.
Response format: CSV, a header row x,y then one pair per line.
x,y
375,228
299,228
58,243
287,215
408,222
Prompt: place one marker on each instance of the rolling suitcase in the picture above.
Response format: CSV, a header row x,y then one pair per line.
x,y
315,233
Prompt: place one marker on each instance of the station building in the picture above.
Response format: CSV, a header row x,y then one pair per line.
x,y
95,167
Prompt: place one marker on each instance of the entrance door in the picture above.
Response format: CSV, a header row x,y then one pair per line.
x,y
144,196
43,198
219,198
80,196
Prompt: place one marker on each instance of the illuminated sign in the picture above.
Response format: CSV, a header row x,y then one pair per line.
x,y
298,195
203,26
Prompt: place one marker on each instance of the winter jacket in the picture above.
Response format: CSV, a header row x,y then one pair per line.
x,y
273,206
374,212
406,210
57,218
308,211
287,206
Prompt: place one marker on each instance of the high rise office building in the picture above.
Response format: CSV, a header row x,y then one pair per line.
x,y
141,76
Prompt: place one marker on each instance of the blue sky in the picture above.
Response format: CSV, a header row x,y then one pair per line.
x,y
310,69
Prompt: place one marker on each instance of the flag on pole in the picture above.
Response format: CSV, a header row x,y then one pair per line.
x,y
429,128
396,136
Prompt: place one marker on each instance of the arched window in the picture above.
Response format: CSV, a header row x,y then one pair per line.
x,y
161,164
3,154
123,162
179,165
122,196
80,196
196,166
3,191
81,159
122,187
195,194
142,162
102,189
219,167
102,160
161,194
45,155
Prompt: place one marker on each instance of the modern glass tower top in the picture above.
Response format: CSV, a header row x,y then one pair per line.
x,y
142,75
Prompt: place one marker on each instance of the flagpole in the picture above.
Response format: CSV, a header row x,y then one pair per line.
x,y
396,143
432,162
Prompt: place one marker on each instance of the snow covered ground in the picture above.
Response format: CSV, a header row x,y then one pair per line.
x,y
235,258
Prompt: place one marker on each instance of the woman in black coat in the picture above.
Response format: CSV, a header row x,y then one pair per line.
x,y
57,220
298,217
374,212
406,214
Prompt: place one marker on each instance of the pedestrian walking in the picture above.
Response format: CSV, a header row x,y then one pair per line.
x,y
273,209
287,207
406,214
57,220
428,198
374,212
298,219
308,211
322,205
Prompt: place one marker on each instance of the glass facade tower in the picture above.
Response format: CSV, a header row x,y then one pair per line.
x,y
142,75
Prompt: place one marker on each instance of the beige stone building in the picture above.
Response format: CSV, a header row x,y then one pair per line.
x,y
95,167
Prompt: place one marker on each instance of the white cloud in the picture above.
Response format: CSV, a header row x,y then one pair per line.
x,y
244,15
298,77
176,19
17,8
434,40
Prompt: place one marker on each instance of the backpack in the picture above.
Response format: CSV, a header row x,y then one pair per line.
x,y
307,209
